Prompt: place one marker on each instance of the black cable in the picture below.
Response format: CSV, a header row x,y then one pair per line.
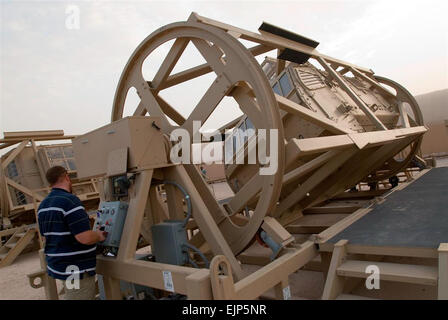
x,y
192,247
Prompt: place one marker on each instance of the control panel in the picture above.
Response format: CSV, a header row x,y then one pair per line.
x,y
110,218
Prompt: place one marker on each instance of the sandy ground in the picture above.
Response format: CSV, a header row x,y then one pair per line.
x,y
304,284
14,283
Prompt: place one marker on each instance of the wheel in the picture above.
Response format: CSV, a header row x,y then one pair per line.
x,y
238,75
394,181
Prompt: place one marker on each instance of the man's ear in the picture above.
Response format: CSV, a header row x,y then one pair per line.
x,y
62,179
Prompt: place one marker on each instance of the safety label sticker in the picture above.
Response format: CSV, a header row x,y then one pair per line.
x,y
286,293
168,281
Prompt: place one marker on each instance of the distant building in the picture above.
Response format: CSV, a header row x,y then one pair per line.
x,y
434,106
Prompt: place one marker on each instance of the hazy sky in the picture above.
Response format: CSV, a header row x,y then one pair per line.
x,y
58,78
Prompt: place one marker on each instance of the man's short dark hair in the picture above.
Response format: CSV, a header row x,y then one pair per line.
x,y
54,174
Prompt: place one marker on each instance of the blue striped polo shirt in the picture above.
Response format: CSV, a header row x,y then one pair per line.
x,y
61,216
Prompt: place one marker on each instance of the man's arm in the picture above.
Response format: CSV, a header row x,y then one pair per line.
x,y
90,237
79,224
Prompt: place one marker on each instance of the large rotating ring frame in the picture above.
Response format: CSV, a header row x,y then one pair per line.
x,y
238,75
403,96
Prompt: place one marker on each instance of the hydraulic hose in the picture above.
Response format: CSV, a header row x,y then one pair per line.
x,y
186,195
192,247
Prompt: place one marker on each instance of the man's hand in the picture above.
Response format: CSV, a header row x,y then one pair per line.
x,y
90,237
101,235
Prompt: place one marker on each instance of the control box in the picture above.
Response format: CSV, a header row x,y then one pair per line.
x,y
168,238
110,218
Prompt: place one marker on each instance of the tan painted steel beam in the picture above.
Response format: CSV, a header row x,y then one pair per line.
x,y
246,193
212,54
272,40
369,113
51,290
206,223
17,140
149,102
373,138
170,61
417,252
14,154
248,105
403,115
344,71
145,273
208,103
19,246
203,69
306,168
170,111
32,134
320,175
39,163
24,189
230,125
443,272
134,217
308,115
6,145
335,284
355,173
267,277
305,147
372,82
112,288
250,190
164,105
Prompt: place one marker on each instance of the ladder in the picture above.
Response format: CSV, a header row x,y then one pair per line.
x,y
342,270
16,244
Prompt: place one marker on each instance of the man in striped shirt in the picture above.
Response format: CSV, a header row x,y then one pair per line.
x,y
69,241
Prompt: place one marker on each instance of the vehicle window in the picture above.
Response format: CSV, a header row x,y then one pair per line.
x,y
249,124
276,88
68,152
71,164
285,84
12,169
